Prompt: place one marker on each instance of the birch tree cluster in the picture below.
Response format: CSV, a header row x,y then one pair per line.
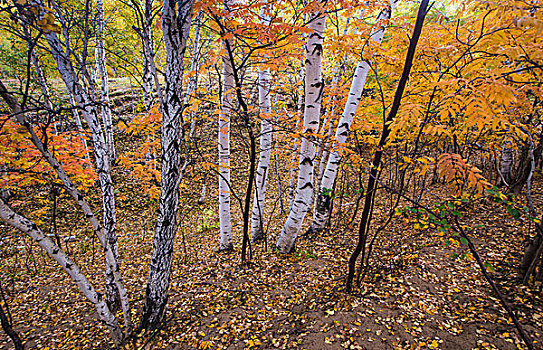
x,y
290,119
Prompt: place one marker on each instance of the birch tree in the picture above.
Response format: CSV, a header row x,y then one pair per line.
x,y
264,103
227,102
324,194
86,104
506,164
176,20
145,17
148,54
111,261
104,81
192,86
314,86
69,266
324,147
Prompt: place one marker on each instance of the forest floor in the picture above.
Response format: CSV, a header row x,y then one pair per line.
x,y
418,292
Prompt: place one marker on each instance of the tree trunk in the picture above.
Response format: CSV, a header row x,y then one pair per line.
x,y
324,193
257,218
534,250
149,68
86,288
191,88
175,26
40,77
314,86
224,148
104,91
7,325
506,165
147,83
324,147
112,295
367,211
292,173
111,259
87,106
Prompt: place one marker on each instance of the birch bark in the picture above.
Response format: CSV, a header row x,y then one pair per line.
x,y
506,164
192,86
299,104
104,91
324,148
87,106
176,20
322,207
30,228
111,261
147,83
149,67
40,77
79,124
264,102
313,97
224,146
257,217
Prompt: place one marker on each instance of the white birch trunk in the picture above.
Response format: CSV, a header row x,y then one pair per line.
x,y
87,106
224,148
506,164
111,261
266,128
176,19
147,84
314,86
149,68
202,197
40,77
299,105
86,288
104,91
257,217
322,207
192,86
79,124
324,151
292,174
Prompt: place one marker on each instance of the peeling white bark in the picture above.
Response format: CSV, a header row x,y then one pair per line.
x,y
324,148
192,86
257,217
314,86
149,67
322,207
86,288
104,91
227,102
87,107
506,164
111,261
176,20
194,67
266,128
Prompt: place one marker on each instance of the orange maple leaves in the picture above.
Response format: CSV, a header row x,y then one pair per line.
x,y
22,164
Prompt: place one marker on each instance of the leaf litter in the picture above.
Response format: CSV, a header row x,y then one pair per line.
x,y
417,294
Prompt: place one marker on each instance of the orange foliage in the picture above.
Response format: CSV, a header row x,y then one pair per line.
x,y
24,165
143,162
